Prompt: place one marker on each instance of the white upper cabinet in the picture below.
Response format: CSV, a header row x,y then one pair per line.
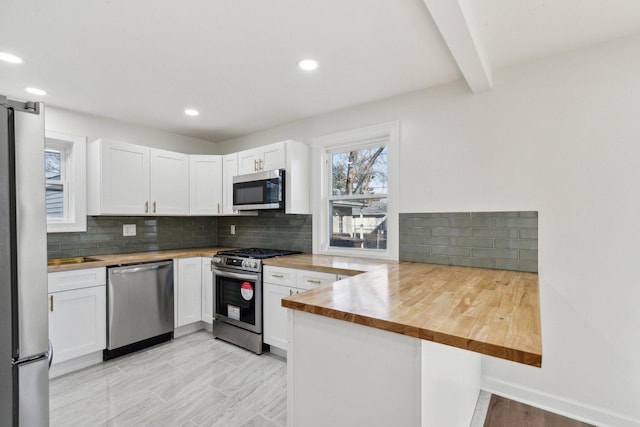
x,y
169,183
267,157
229,170
128,179
205,185
293,157
117,178
297,174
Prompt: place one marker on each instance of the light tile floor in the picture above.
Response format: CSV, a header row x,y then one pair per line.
x,y
194,380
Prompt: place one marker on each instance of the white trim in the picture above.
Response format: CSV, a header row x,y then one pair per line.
x,y
355,138
557,404
75,183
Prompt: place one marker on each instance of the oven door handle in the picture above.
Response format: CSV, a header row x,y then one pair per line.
x,y
239,276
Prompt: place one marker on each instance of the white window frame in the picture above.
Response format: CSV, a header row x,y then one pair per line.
x,y
73,158
323,147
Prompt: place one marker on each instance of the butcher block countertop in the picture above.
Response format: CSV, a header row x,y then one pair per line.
x,y
132,258
493,312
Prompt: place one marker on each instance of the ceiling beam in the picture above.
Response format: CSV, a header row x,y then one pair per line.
x,y
455,21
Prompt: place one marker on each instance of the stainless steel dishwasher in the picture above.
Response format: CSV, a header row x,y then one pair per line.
x,y
139,307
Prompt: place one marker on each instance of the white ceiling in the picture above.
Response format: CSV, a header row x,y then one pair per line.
x,y
146,61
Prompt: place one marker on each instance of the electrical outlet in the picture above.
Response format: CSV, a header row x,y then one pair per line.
x,y
233,229
128,229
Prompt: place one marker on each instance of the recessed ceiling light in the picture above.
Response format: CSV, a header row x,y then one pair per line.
x,y
308,64
191,112
7,57
35,91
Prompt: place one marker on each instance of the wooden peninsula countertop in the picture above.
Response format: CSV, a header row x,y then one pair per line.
x,y
493,312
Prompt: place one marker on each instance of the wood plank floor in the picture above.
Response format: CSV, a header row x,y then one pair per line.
x,y
194,380
508,413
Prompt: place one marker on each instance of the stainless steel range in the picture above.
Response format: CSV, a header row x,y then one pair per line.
x,y
237,295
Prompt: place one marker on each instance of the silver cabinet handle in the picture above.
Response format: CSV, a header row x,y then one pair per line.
x,y
154,207
279,276
218,207
255,165
211,265
317,282
51,303
260,164
146,207
290,292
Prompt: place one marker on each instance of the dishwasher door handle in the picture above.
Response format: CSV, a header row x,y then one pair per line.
x,y
138,269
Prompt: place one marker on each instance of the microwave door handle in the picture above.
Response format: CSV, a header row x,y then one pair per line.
x,y
238,276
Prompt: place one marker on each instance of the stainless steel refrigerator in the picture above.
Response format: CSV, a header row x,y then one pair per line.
x,y
24,378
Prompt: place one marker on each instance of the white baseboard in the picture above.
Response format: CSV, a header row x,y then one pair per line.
x,y
66,366
557,404
188,329
278,352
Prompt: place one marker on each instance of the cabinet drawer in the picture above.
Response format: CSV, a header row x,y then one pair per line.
x,y
279,275
77,279
306,279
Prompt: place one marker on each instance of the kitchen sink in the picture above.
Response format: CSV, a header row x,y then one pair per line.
x,y
74,260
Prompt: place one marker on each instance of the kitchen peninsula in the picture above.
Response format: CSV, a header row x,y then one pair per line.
x,y
379,335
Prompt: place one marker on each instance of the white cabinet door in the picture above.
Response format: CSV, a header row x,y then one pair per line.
x,y
205,185
267,157
275,316
249,161
188,290
229,170
118,178
77,322
207,290
169,193
273,157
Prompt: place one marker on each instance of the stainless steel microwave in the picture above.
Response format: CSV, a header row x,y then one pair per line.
x,y
259,191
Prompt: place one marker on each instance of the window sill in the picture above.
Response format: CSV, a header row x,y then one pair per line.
x,y
67,227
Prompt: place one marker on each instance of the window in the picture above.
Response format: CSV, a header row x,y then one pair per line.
x,y
357,213
65,175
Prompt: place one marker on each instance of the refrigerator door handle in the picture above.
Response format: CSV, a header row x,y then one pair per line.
x,y
50,354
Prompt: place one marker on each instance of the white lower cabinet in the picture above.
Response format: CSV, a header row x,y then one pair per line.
x,y
187,290
77,313
275,316
280,283
207,290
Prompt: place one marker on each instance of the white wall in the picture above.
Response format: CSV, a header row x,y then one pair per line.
x,y
94,127
560,136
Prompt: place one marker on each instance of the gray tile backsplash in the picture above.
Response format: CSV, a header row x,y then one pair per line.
x,y
267,230
104,236
501,240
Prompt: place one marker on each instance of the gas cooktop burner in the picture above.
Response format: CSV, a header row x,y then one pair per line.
x,y
257,253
